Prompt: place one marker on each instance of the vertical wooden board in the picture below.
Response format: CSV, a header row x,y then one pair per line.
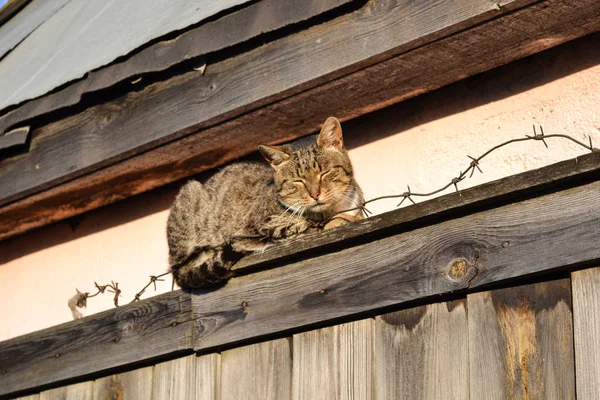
x,y
334,363
261,371
78,391
31,397
191,377
586,320
422,353
132,385
521,342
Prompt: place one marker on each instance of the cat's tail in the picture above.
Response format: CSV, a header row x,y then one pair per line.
x,y
205,267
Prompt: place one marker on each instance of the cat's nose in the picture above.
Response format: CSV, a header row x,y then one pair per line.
x,y
315,195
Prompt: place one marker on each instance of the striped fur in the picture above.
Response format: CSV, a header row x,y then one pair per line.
x,y
248,206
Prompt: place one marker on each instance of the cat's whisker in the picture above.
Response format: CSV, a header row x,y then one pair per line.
x,y
278,207
290,216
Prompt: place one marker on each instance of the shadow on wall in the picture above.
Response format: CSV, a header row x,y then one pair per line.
x,y
494,85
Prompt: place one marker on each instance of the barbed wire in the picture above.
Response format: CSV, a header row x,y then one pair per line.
x,y
473,165
79,300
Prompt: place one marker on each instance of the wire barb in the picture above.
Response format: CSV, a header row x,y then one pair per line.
x,y
455,181
80,298
474,164
406,195
538,137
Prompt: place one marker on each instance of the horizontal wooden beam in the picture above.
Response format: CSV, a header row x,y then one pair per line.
x,y
136,332
527,184
230,30
83,36
164,111
186,103
552,221
520,239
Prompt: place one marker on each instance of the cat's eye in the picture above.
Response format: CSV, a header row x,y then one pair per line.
x,y
327,174
301,182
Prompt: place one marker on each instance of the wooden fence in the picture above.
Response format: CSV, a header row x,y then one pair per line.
x,y
490,293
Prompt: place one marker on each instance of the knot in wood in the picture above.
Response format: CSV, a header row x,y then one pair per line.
x,y
458,269
462,271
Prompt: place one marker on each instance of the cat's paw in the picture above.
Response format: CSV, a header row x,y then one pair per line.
x,y
335,222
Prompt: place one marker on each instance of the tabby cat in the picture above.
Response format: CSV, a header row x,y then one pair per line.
x,y
247,206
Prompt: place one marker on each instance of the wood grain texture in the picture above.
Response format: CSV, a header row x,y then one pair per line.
x,y
464,253
122,336
31,397
456,255
468,52
229,30
521,342
78,391
17,28
133,123
586,326
334,363
15,138
502,191
261,371
85,35
191,377
423,353
132,385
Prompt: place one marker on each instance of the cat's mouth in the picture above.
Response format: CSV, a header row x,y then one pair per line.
x,y
318,206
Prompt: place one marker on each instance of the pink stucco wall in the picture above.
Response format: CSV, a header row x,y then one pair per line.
x,y
422,143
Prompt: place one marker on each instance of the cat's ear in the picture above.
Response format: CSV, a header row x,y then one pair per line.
x,y
274,155
331,134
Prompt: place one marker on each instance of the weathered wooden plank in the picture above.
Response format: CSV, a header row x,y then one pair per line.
x,y
334,363
230,30
491,246
132,385
14,139
14,30
196,99
191,377
586,326
78,391
423,353
85,35
31,397
467,52
259,371
125,335
521,342
535,181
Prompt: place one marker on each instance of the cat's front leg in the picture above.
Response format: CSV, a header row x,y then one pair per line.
x,y
299,227
341,219
246,245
